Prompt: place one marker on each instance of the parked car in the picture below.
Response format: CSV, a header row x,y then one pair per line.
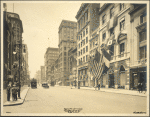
x,y
45,85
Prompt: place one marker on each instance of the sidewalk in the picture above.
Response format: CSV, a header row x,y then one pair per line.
x,y
23,94
111,90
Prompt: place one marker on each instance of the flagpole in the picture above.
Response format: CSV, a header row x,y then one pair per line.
x,y
13,7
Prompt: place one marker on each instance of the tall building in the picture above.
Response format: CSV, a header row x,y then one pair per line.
x,y
138,45
50,57
43,78
38,76
56,72
72,66
87,22
12,37
67,39
25,74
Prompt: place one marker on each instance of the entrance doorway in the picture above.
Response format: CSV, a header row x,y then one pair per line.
x,y
111,80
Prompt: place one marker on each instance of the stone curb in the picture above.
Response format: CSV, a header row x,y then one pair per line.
x,y
19,102
142,95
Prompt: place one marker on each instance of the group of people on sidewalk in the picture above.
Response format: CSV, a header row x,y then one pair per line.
x,y
140,87
14,90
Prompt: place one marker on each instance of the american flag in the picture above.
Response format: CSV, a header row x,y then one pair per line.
x,y
97,65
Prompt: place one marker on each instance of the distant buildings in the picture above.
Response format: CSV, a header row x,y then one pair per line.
x,y
25,74
107,45
67,39
43,78
50,57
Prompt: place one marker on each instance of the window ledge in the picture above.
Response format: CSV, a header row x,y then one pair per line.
x,y
141,26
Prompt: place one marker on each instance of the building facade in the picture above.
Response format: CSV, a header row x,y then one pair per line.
x,y
56,73
50,57
138,48
25,66
120,43
67,39
12,38
72,66
43,77
87,22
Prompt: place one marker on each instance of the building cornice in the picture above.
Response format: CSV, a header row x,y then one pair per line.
x,y
104,7
83,6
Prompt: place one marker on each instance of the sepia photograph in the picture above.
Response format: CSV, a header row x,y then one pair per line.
x,y
74,58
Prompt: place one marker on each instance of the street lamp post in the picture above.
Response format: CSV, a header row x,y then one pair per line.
x,y
20,45
19,70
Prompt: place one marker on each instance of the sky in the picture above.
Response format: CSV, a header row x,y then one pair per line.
x,y
40,26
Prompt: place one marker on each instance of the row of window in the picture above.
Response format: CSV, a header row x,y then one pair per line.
x,y
85,58
112,10
83,20
93,44
80,36
122,27
80,52
83,42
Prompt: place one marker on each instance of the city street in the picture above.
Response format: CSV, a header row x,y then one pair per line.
x,y
55,99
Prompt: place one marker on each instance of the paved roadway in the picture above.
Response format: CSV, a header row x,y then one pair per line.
x,y
55,99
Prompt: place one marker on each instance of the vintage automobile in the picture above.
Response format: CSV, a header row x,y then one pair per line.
x,y
45,85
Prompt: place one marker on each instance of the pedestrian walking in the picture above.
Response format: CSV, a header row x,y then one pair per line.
x,y
99,86
139,87
13,93
8,92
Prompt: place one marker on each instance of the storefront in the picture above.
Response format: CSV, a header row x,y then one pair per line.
x,y
138,75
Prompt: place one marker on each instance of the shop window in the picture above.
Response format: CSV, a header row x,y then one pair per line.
x,y
142,36
143,52
143,18
122,24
